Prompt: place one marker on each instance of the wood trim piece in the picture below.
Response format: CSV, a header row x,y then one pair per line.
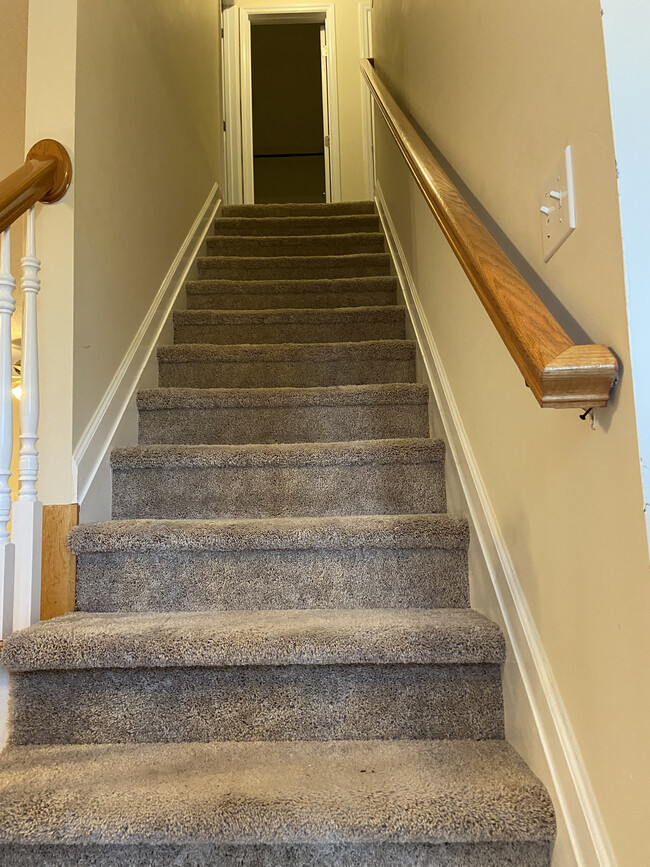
x,y
44,177
59,563
559,373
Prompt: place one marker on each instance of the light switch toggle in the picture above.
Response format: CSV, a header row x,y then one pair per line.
x,y
557,206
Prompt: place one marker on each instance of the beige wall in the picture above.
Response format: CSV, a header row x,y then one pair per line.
x,y
501,90
148,151
13,81
348,50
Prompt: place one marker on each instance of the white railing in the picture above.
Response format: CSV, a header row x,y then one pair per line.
x,y
27,511
20,559
7,552
44,177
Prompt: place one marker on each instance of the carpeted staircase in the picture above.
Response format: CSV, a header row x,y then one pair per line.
x,y
273,662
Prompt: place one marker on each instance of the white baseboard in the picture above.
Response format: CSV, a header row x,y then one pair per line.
x,y
573,795
96,439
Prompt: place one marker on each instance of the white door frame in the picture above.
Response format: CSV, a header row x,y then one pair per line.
x,y
367,118
325,108
234,184
317,13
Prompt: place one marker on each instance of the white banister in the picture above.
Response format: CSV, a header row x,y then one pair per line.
x,y
44,177
7,307
27,513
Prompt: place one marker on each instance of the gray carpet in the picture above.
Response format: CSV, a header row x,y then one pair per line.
x,y
273,662
293,267
286,365
270,294
291,415
343,325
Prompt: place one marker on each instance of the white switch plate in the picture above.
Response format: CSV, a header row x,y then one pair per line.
x,y
557,206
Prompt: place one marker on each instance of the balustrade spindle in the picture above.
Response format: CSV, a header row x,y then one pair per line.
x,y
7,552
27,514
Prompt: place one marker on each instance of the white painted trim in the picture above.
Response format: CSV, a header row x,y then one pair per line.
x,y
96,439
234,192
304,12
365,37
574,795
246,99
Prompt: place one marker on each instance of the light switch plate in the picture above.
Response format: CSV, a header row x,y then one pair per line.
x,y
557,206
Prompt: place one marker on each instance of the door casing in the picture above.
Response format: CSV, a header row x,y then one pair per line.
x,y
238,108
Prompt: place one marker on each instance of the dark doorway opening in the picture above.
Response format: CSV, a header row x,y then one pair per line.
x,y
289,105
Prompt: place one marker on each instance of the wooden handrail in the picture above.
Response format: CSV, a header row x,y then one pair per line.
x,y
44,177
559,373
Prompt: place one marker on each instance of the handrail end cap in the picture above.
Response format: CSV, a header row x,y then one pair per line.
x,y
51,149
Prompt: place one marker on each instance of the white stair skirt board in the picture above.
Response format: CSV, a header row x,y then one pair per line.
x,y
96,439
567,777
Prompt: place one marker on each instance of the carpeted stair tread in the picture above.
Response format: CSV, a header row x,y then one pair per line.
x,y
297,225
265,294
284,316
344,324
371,477
293,267
295,245
378,452
273,534
300,209
267,415
406,393
531,854
337,562
256,792
343,353
285,365
257,638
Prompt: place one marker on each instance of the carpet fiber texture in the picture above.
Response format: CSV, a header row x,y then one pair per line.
x,y
273,661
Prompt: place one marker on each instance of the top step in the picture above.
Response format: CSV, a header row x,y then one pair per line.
x,y
331,209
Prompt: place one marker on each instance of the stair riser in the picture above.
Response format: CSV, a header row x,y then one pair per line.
x,y
348,329
323,268
281,299
299,210
297,424
277,226
283,579
346,702
281,374
265,492
281,855
337,245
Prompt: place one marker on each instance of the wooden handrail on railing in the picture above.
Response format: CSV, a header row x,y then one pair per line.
x,y
559,373
44,177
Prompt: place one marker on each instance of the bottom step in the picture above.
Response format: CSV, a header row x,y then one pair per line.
x,y
279,855
434,802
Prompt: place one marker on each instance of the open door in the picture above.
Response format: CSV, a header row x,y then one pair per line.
x,y
266,158
326,113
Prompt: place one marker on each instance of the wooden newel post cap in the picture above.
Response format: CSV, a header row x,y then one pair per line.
x,y
50,149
